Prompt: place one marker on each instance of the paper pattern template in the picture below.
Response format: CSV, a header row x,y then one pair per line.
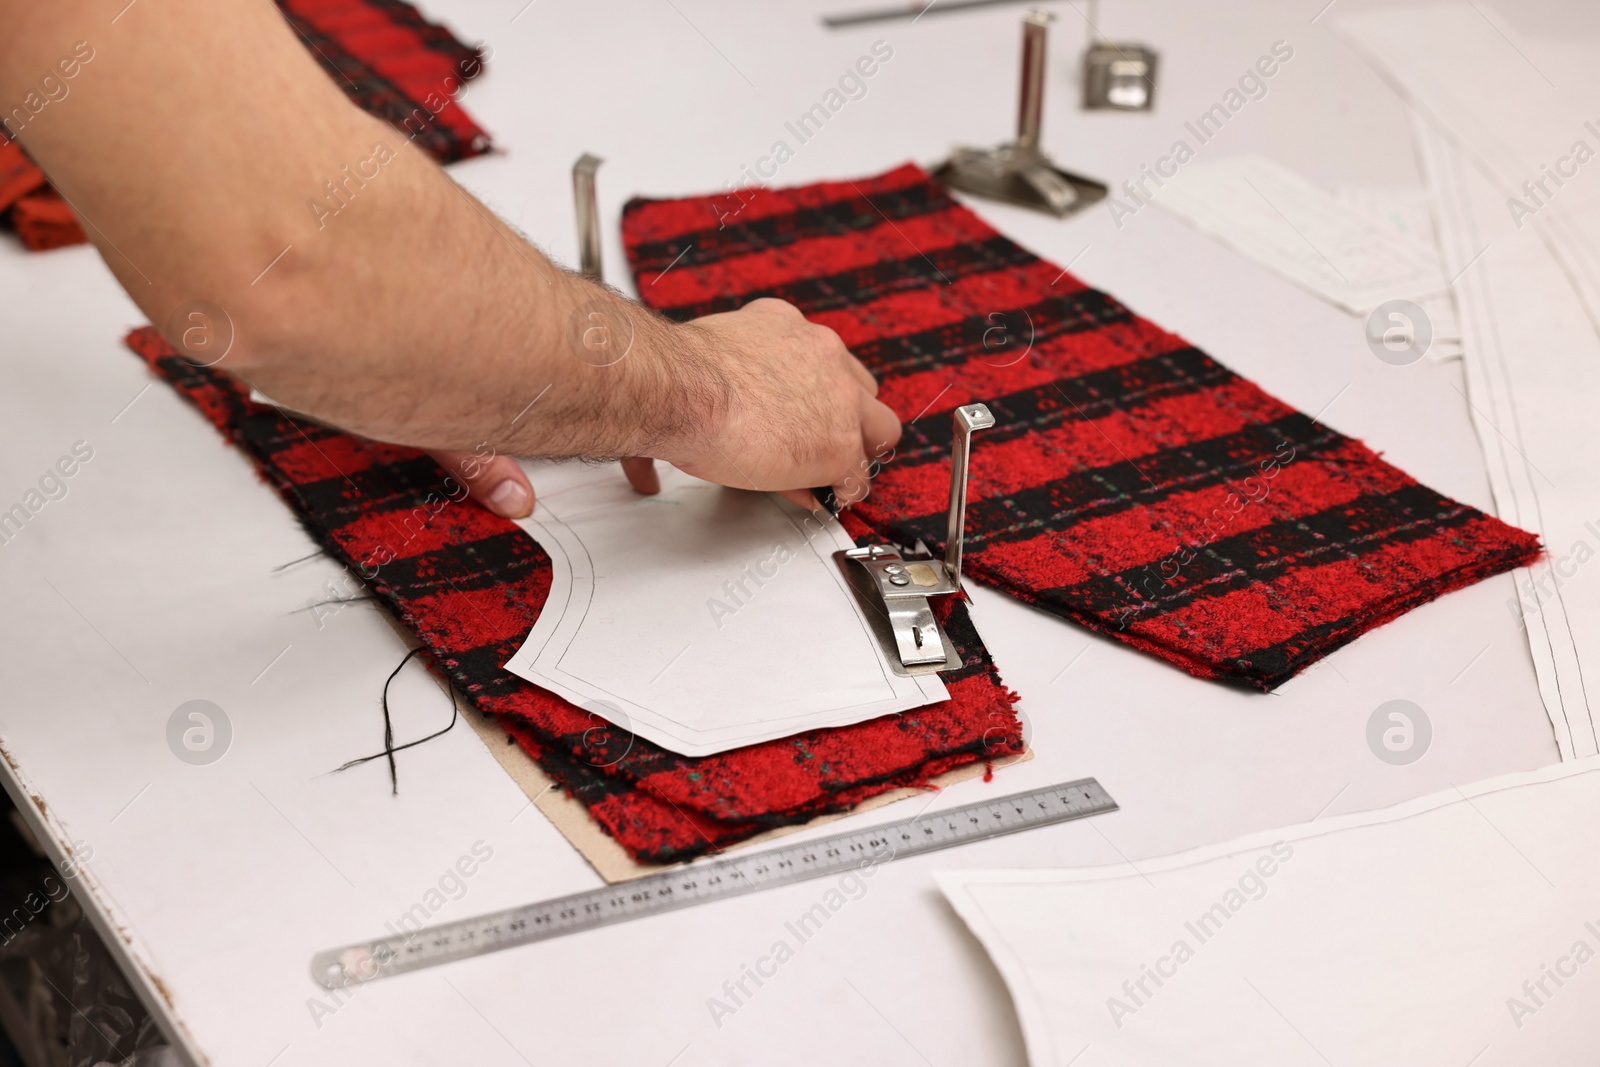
x,y
1302,232
1459,928
703,618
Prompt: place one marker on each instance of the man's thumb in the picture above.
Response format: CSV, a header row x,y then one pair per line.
x,y
498,483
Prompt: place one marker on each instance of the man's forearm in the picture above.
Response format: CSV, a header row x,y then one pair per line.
x,y
358,281
452,354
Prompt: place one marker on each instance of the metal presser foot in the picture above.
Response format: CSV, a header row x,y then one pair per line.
x,y
1019,172
894,589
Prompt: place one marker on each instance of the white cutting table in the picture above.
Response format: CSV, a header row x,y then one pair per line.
x,y
152,582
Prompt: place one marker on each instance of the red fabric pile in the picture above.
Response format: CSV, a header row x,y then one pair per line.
x,y
1132,484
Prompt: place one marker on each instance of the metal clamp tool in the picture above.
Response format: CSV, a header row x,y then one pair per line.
x,y
895,588
1019,172
1117,75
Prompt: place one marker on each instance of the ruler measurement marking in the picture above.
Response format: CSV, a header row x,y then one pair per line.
x,y
721,879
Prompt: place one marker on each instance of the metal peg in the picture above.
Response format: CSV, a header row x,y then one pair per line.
x,y
588,215
1030,108
966,419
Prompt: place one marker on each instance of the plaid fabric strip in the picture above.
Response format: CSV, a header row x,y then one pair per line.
x,y
393,63
1133,484
470,585
396,66
18,175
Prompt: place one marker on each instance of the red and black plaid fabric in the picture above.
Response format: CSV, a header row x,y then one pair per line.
x,y
41,218
1131,484
393,63
397,66
470,584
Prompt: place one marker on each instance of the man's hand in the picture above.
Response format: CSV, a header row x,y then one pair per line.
x,y
798,410
795,411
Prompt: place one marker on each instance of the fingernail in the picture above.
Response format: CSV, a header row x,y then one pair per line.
x,y
510,499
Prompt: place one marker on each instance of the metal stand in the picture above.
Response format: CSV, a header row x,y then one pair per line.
x,y
895,589
1019,172
588,215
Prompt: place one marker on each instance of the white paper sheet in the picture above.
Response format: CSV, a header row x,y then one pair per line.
x,y
1528,294
1407,211
1424,934
1409,214
1291,226
702,619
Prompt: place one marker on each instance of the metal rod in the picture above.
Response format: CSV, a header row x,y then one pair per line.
x,y
912,12
588,215
1030,109
966,419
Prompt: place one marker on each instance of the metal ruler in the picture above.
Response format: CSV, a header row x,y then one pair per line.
x,y
703,883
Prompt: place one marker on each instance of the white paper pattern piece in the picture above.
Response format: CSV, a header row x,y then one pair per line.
x,y
1409,213
1291,226
1462,928
1511,161
1533,371
701,619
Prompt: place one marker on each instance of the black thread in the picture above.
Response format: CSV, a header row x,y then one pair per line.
x,y
334,600
389,747
302,559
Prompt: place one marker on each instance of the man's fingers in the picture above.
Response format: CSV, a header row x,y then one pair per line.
x,y
843,497
857,370
497,483
641,472
880,427
801,498
852,485
880,432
